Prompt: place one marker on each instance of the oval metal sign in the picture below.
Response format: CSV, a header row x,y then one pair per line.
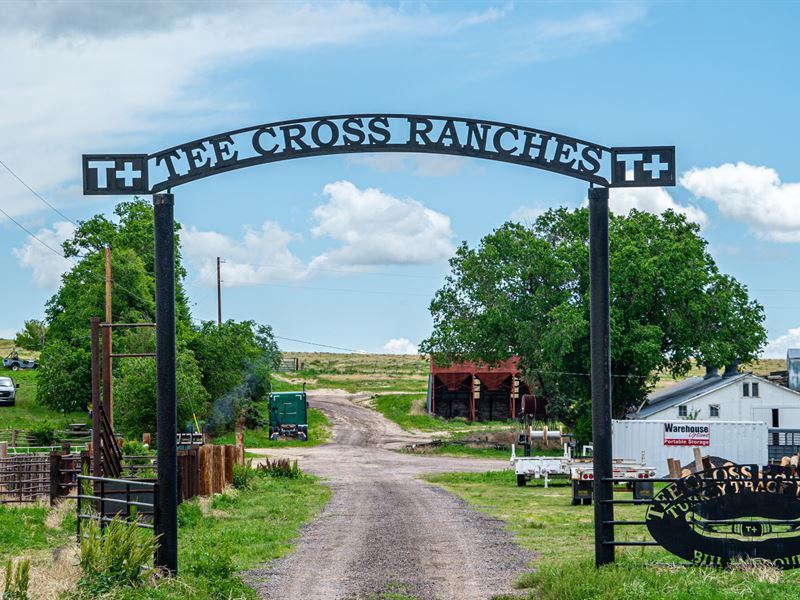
x,y
728,513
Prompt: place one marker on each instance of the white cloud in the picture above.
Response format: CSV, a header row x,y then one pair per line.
x,y
527,214
400,346
753,195
47,266
376,228
777,348
571,36
654,200
107,77
262,256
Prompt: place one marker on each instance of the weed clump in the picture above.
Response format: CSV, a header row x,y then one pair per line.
x,y
280,467
115,556
17,580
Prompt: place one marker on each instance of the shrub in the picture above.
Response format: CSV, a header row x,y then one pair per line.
x,y
115,556
43,433
16,586
242,475
280,467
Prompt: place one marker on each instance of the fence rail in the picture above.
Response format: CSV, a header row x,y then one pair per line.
x,y
103,499
24,478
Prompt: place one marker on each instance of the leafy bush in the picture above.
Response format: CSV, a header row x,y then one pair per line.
x,y
16,586
135,393
43,433
64,382
242,475
280,467
135,448
115,556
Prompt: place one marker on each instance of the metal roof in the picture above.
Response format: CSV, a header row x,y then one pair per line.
x,y
682,392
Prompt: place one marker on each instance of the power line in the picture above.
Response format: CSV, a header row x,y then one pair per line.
x,y
33,235
35,193
277,337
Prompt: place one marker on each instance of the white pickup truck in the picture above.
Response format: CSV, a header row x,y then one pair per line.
x,y
580,471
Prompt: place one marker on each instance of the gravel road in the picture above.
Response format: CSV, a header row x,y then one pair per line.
x,y
383,530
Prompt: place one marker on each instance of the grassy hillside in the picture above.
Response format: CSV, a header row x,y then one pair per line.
x,y
356,372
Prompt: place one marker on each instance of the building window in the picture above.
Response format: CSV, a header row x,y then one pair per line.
x,y
682,411
713,410
745,389
775,419
755,389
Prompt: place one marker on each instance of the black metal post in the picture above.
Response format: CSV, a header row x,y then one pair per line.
x,y
167,556
97,467
601,375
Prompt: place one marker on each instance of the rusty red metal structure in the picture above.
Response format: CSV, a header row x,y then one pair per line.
x,y
477,392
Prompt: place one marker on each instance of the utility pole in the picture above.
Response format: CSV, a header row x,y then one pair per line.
x,y
219,296
108,389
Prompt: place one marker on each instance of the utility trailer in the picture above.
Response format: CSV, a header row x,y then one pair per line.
x,y
580,472
288,415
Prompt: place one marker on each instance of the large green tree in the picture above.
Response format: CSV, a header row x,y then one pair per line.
x,y
32,335
235,360
525,291
82,296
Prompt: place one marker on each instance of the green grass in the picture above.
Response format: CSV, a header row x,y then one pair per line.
x,y
242,531
27,412
447,449
319,432
543,520
400,408
23,528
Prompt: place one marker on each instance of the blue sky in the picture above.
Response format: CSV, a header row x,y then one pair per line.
x,y
306,250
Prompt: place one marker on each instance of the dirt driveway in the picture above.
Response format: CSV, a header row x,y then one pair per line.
x,y
385,531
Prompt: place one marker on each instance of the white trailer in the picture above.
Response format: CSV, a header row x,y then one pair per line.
x,y
580,471
742,442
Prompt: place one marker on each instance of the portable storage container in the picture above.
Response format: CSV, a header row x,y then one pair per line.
x,y
742,442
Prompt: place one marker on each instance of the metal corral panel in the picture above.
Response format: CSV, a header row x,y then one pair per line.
x,y
742,442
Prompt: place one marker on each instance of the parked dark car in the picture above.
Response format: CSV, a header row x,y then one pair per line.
x,y
8,391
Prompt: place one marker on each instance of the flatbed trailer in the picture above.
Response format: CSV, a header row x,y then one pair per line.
x,y
580,472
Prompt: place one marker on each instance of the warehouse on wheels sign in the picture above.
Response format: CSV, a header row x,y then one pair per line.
x,y
685,433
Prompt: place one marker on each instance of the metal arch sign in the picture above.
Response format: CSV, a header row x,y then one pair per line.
x,y
728,513
113,174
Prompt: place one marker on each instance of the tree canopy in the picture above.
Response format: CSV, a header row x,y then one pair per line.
x,y
32,335
214,364
525,291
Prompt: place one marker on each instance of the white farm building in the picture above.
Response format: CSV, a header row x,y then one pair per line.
x,y
731,396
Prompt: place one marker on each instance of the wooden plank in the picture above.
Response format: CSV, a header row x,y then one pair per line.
x,y
698,459
206,470
219,470
230,460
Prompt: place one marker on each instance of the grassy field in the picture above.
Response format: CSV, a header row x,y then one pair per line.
x,y
356,372
544,521
217,538
27,412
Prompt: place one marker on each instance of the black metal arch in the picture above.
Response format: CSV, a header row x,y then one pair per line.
x,y
378,132
122,174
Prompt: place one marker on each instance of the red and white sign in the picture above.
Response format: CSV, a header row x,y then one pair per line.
x,y
685,433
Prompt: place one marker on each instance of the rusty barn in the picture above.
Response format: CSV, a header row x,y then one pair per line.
x,y
477,392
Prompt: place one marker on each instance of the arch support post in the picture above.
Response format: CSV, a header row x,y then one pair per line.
x,y
166,402
599,286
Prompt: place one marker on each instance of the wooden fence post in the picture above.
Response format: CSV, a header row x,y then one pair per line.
x,y
55,476
230,460
240,447
206,469
219,469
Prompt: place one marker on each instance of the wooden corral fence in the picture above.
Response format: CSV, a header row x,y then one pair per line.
x,y
36,477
